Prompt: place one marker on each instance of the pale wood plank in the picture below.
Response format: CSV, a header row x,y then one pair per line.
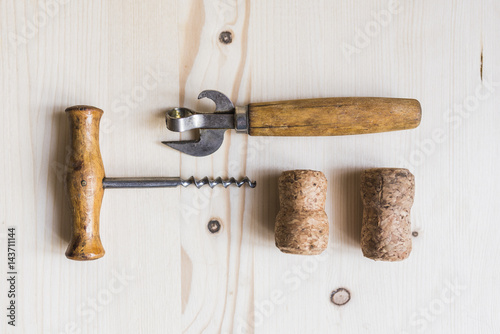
x,y
217,271
91,53
137,59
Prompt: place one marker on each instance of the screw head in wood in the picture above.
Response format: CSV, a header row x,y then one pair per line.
x,y
226,37
214,226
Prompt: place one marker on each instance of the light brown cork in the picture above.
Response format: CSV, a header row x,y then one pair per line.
x,y
387,195
302,224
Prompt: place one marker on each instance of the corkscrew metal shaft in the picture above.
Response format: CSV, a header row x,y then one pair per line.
x,y
171,182
86,182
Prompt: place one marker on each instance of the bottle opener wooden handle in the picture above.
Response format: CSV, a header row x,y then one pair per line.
x,y
333,116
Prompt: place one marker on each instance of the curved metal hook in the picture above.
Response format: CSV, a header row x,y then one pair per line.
x,y
210,140
222,102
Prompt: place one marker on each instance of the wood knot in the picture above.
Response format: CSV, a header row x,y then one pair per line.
x,y
341,296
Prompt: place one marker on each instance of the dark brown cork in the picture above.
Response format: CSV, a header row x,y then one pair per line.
x,y
387,195
301,224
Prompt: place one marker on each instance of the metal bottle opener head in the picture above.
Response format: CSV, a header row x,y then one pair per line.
x,y
211,125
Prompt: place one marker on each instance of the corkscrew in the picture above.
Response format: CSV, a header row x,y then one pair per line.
x,y
172,182
85,183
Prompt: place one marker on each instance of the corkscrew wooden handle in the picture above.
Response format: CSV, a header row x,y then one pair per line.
x,y
84,183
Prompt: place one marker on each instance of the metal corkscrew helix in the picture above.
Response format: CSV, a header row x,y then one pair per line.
x,y
86,182
171,182
218,181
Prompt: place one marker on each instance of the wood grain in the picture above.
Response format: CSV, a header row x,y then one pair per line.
x,y
164,272
84,183
333,116
216,269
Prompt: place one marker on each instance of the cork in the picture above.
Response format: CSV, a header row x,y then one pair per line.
x,y
302,224
387,195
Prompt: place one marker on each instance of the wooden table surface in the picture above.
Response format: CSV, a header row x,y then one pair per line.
x,y
164,272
